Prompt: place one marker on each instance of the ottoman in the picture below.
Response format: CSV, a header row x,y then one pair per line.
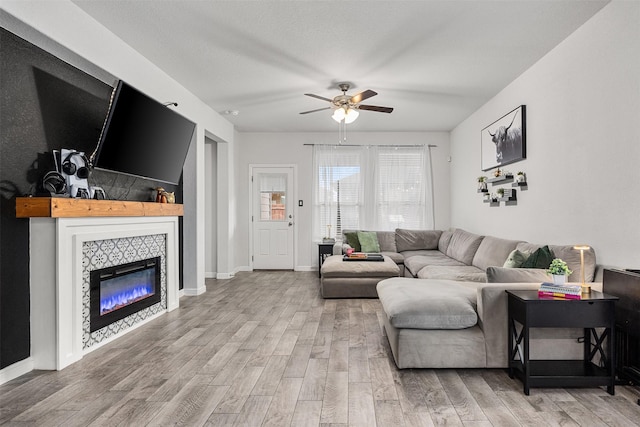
x,y
354,279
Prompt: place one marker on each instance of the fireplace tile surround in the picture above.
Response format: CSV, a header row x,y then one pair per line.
x,y
63,253
100,254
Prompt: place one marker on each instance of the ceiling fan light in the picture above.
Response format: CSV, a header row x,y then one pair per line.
x,y
338,115
351,116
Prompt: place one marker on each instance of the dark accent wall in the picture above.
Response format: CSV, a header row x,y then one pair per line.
x,y
45,104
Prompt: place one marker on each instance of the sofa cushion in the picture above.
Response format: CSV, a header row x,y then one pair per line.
x,y
416,263
493,251
517,275
515,259
572,258
463,246
368,241
413,240
427,304
352,240
387,241
445,239
395,256
541,258
462,273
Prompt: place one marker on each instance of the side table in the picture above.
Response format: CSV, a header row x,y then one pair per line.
x,y
324,250
594,310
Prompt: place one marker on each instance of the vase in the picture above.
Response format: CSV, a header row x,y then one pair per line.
x,y
559,279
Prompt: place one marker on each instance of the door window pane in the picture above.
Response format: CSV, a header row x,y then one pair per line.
x,y
272,196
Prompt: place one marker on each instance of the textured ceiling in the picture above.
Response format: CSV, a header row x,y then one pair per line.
x,y
435,62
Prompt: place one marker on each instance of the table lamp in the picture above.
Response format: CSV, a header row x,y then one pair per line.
x,y
586,288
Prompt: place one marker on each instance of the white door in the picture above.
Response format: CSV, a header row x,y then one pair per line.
x,y
272,216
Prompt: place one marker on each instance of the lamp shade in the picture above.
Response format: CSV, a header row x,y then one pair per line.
x,y
339,114
351,115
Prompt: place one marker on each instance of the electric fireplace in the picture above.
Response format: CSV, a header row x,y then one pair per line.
x,y
119,291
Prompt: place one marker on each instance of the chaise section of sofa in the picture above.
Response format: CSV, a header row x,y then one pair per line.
x,y
434,323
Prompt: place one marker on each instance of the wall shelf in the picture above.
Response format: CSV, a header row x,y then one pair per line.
x,y
501,179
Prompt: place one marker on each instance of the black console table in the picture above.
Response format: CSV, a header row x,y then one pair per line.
x,y
594,310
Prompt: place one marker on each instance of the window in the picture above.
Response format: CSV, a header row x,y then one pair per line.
x,y
370,187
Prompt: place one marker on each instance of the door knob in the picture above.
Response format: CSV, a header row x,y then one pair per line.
x,y
290,223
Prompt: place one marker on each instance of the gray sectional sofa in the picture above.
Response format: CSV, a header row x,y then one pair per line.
x,y
460,255
450,308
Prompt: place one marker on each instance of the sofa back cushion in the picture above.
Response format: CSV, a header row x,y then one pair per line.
x,y
445,239
572,258
415,240
493,251
387,241
463,246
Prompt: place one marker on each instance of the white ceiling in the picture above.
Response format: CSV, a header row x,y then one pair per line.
x,y
435,62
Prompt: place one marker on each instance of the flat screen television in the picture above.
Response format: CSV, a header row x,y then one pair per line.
x,y
142,137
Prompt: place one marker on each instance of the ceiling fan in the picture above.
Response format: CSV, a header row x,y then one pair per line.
x,y
345,107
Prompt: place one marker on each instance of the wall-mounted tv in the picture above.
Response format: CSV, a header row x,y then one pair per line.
x,y
143,137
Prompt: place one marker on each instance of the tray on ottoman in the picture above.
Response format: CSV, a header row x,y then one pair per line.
x,y
354,279
360,256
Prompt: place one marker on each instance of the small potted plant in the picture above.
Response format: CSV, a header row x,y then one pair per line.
x,y
559,270
482,183
500,192
520,177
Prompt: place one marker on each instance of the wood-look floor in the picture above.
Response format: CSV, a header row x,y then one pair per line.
x,y
264,349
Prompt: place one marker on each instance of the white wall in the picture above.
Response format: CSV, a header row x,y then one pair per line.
x,y
211,207
289,148
583,145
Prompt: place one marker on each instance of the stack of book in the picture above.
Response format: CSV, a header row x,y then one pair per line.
x,y
551,290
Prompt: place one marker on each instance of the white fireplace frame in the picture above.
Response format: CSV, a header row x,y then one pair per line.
x,y
56,279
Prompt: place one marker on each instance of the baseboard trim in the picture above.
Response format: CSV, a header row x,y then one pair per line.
x,y
210,274
305,268
195,292
16,370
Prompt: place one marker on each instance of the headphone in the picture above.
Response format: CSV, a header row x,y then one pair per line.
x,y
54,183
71,168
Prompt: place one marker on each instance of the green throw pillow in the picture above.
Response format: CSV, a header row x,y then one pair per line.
x,y
515,259
369,241
352,240
539,259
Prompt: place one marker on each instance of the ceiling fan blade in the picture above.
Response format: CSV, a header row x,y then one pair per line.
x,y
313,111
359,97
375,108
319,97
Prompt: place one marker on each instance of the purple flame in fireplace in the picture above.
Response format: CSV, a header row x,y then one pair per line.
x,y
124,290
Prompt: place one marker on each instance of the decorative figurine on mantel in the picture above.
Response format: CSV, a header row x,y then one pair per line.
x,y
163,196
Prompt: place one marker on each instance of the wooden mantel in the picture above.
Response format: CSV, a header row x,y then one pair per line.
x,y
62,207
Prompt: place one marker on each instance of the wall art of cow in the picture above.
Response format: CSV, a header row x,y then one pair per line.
x,y
503,141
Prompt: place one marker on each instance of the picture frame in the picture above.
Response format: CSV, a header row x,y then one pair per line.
x,y
504,141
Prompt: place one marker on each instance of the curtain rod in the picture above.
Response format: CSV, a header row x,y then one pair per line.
x,y
363,145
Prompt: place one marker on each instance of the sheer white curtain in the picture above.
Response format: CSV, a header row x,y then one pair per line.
x,y
371,187
402,195
338,189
